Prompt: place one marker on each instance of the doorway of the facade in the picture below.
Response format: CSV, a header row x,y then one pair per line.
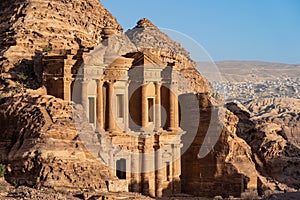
x,y
121,168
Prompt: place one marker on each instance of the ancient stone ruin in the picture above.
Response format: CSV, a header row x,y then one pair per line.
x,y
122,96
92,107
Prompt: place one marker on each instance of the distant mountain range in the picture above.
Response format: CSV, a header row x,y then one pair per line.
x,y
241,71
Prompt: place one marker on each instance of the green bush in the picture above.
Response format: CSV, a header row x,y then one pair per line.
x,y
2,170
22,77
16,183
47,49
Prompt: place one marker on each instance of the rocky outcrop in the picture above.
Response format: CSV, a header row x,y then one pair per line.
x,y
283,111
43,144
23,192
146,35
52,27
227,164
41,139
276,158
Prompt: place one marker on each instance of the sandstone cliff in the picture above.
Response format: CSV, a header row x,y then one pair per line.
x,y
53,26
42,145
40,141
227,164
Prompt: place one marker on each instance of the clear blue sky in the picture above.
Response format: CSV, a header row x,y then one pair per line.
x,y
266,30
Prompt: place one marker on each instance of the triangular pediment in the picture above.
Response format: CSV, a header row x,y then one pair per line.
x,y
146,58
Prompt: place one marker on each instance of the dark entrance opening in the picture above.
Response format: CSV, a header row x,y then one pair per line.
x,y
120,105
168,171
150,110
91,110
121,168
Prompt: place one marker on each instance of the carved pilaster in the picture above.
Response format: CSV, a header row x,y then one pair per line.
x,y
157,106
100,114
84,98
144,103
111,120
176,167
159,172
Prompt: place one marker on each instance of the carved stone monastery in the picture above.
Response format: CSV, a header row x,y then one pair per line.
x,y
140,106
123,98
85,106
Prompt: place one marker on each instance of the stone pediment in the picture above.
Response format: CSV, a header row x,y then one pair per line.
x,y
122,62
147,59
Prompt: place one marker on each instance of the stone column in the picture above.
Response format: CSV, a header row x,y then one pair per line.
x,y
173,110
148,172
112,163
176,113
145,177
100,114
84,98
126,108
144,106
159,172
135,172
111,120
67,89
157,107
176,168
67,74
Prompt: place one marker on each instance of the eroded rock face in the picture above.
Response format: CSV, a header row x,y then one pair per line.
x,y
42,144
276,158
229,162
281,159
285,112
52,26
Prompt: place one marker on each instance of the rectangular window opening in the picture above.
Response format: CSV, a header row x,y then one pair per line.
x,y
150,110
121,169
92,110
120,105
168,171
